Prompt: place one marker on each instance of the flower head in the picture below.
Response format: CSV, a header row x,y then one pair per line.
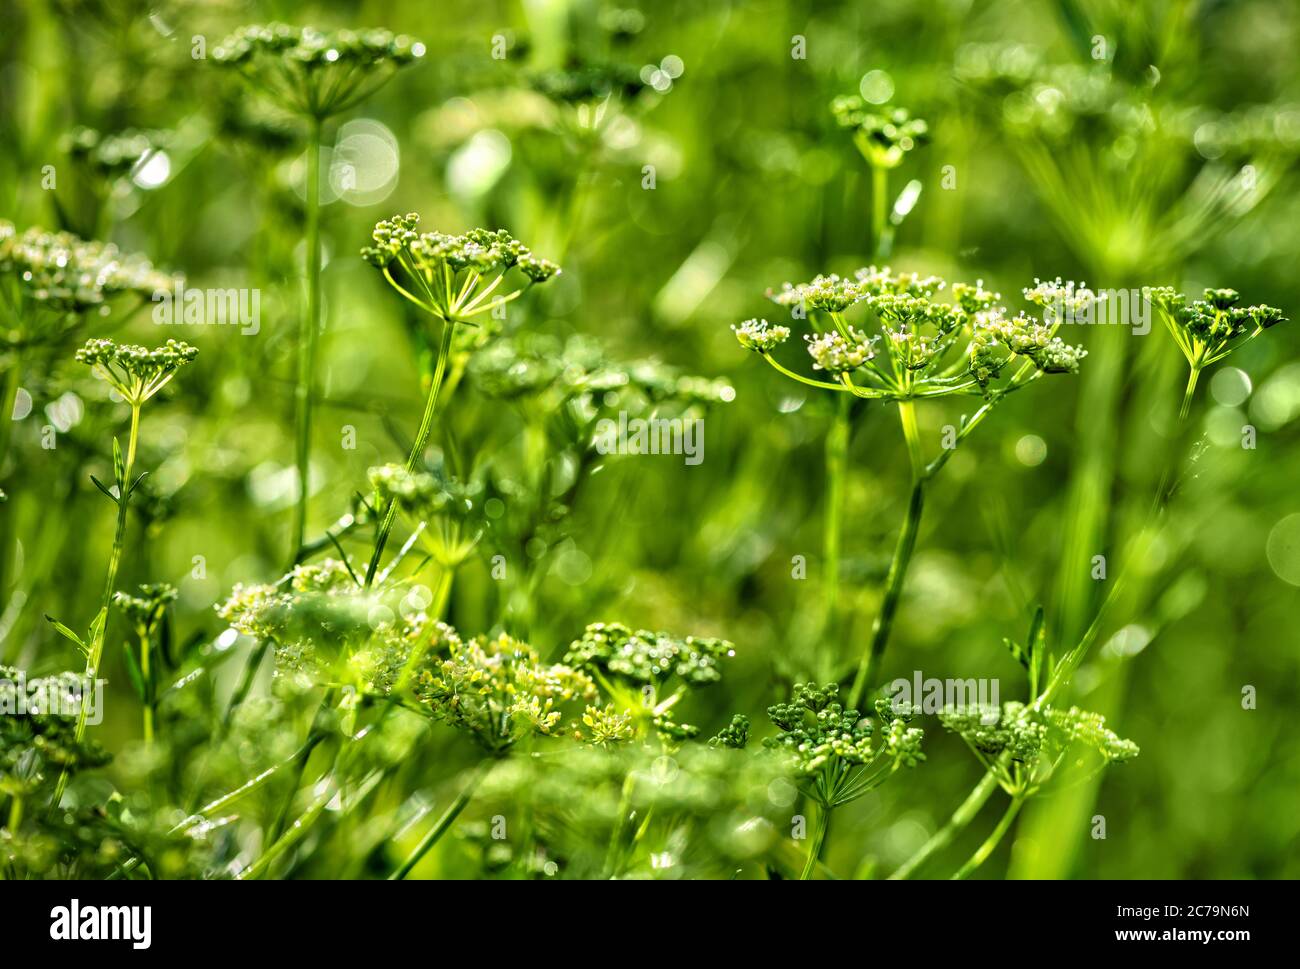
x,y
446,275
313,72
146,610
498,690
136,372
883,135
65,274
837,750
1026,743
827,294
1210,328
644,657
834,354
760,336
452,510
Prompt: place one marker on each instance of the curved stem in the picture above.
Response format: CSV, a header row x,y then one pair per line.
x,y
417,449
444,822
805,380
991,842
815,846
961,817
308,331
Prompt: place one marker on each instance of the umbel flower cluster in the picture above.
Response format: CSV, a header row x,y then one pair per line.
x,y
136,372
1023,745
38,741
839,752
497,689
1210,328
446,274
648,673
644,657
313,72
64,274
883,135
588,83
924,347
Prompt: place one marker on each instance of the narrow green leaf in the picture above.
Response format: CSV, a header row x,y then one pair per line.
x,y
97,626
104,488
67,633
130,491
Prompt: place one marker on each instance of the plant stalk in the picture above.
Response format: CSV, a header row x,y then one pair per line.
x,y
417,449
879,205
110,581
440,828
870,664
837,452
815,846
308,332
961,817
991,842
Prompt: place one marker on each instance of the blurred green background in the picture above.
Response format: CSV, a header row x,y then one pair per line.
x,y
753,186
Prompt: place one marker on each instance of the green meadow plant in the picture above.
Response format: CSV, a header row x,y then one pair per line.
x,y
136,374
149,619
919,348
1205,331
455,279
316,75
837,754
426,688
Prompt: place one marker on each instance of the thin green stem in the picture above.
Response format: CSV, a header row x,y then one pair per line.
x,y
837,454
991,842
417,449
956,824
815,845
8,396
308,331
146,676
1188,394
440,828
879,194
907,418
110,581
870,663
